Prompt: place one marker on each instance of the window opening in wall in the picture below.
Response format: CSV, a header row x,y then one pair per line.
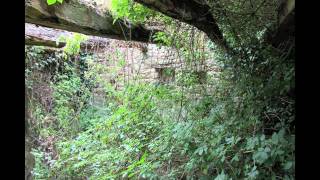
x,y
165,74
201,76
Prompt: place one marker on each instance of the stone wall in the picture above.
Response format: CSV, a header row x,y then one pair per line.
x,y
143,62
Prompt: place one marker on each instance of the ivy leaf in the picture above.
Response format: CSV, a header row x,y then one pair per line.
x,y
253,173
260,156
201,150
221,176
288,165
50,2
275,138
235,158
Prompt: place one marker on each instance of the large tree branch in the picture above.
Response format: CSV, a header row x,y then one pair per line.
x,y
77,16
285,30
43,36
193,12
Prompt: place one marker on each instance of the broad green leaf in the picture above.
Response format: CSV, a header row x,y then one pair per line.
x,y
50,2
253,173
288,165
221,176
235,158
260,156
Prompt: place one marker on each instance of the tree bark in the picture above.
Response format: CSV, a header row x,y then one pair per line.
x,y
76,16
193,12
42,36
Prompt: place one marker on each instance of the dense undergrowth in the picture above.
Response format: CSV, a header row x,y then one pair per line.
x,y
239,125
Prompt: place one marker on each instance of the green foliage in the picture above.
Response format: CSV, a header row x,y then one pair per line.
x,y
70,95
129,10
40,171
143,129
51,2
238,124
73,43
110,131
147,122
162,38
169,71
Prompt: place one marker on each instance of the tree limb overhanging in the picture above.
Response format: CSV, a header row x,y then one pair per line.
x,y
197,13
76,16
192,12
42,36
